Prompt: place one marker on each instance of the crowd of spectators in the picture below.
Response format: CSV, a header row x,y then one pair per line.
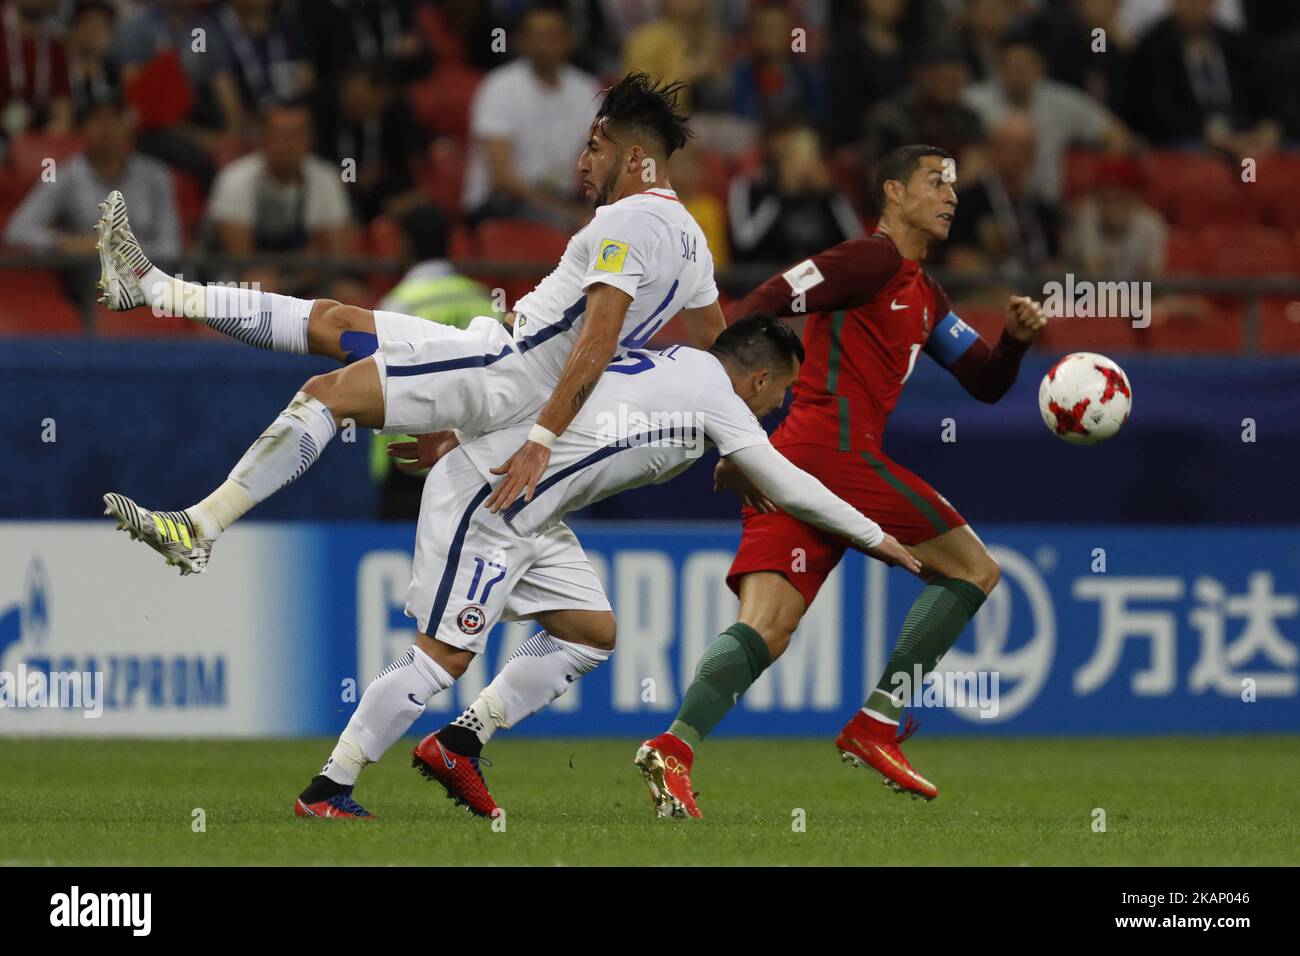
x,y
314,126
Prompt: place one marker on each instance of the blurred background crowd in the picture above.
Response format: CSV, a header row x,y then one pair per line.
x,y
376,149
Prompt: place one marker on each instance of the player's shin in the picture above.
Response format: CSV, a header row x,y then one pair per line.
x,y
726,670
542,669
288,447
264,320
388,708
935,621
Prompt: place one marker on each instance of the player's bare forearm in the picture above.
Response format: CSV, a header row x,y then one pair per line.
x,y
590,356
703,326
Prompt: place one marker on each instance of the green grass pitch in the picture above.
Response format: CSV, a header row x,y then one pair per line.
x,y
1169,801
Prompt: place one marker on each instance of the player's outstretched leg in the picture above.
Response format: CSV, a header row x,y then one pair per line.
x,y
542,669
266,320
288,447
770,609
392,702
961,574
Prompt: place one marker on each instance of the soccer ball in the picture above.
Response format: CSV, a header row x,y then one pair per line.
x,y
1085,398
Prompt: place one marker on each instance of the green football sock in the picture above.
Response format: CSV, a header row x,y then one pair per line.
x,y
933,625
726,669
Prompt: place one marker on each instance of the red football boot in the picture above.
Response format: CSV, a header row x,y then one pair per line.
x,y
665,763
458,775
866,741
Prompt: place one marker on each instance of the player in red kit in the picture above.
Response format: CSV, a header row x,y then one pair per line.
x,y
871,311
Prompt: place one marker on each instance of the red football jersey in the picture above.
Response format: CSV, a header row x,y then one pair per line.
x,y
870,313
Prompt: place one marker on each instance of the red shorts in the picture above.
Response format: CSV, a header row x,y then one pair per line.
x,y
883,490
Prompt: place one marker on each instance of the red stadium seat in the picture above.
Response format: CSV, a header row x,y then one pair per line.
x,y
1193,189
385,241
522,240
34,304
190,203
1184,253
1276,198
1279,325
463,244
442,102
1089,335
1217,332
1081,170
1246,250
443,175
431,23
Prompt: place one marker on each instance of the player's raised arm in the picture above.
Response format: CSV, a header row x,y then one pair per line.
x,y
704,325
842,277
591,354
987,373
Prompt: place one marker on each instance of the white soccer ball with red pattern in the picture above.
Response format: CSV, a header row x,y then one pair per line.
x,y
1085,398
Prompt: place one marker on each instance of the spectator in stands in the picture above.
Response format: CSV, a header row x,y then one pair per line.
x,y
432,290
528,123
1113,232
34,91
1001,225
931,110
1063,116
773,80
1195,83
340,32
371,125
684,44
789,209
705,208
92,76
1065,35
865,66
268,55
281,198
984,24
176,75
60,215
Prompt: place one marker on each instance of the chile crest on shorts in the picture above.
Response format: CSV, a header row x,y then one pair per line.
x,y
471,619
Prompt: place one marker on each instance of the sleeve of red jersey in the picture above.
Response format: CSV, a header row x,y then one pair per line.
x,y
986,373
842,277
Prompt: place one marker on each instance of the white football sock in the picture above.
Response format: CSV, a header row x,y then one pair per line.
x,y
288,447
264,320
392,702
540,671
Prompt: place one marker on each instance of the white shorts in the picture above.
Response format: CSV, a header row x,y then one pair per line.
x,y
471,570
436,377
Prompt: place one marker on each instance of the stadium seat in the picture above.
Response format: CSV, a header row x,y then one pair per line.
x,y
522,240
1244,249
431,23
1276,200
442,102
1217,332
1089,335
35,304
442,177
1080,172
1279,325
385,241
1184,253
190,204
1193,189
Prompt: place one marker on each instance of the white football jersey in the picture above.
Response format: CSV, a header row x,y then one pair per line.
x,y
646,245
651,415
